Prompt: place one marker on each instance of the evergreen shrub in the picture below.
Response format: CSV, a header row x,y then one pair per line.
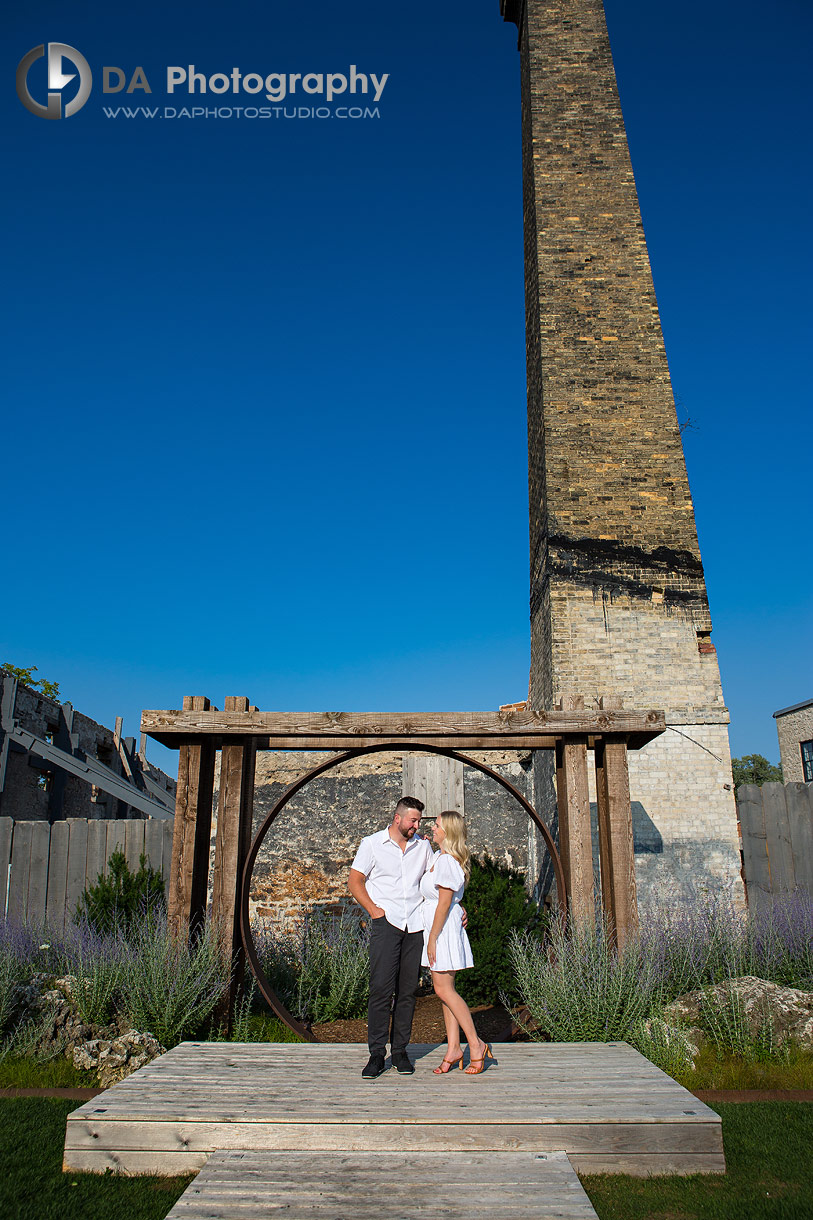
x,y
120,898
497,904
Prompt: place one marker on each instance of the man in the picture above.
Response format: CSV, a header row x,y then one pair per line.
x,y
384,879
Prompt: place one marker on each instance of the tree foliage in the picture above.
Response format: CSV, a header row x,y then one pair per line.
x,y
755,769
122,897
26,676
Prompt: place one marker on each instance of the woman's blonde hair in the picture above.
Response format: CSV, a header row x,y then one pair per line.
x,y
454,827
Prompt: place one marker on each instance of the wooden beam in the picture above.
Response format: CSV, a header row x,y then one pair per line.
x,y
189,874
616,850
343,730
234,812
575,838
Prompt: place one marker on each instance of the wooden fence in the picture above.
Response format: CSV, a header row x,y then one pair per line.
x,y
776,821
45,868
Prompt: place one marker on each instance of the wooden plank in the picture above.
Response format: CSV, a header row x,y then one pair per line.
x,y
166,854
116,840
189,871
57,877
20,864
234,818
38,873
249,1132
346,727
573,799
96,865
616,849
426,1184
777,832
751,815
646,1165
133,842
800,832
6,828
435,780
76,880
154,843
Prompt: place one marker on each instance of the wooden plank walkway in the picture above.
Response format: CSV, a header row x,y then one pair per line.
x,y
602,1103
242,1185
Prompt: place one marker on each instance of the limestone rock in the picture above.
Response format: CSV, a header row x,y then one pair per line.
x,y
114,1059
790,1009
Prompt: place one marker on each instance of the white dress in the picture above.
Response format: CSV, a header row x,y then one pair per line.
x,y
453,948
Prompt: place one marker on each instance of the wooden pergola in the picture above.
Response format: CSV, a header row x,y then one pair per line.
x,y
199,730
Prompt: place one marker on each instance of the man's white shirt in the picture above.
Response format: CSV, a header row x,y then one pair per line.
x,y
393,877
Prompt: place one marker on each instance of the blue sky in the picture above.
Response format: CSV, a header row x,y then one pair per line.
x,y
265,410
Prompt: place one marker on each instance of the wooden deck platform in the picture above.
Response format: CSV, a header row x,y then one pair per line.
x,y
385,1186
603,1104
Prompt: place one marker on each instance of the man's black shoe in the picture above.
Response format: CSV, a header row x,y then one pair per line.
x,y
402,1063
374,1068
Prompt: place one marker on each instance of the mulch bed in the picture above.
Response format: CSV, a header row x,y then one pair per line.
x,y
493,1024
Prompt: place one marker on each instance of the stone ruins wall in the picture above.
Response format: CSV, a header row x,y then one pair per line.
x,y
305,860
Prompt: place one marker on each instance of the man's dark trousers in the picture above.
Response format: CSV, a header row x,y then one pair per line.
x,y
395,963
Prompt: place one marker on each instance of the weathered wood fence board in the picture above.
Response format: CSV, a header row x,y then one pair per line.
x,y
45,869
776,822
435,780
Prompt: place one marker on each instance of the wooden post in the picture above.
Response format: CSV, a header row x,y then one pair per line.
x,y
189,874
616,851
575,838
234,817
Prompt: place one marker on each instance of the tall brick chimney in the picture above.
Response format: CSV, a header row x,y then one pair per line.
x,y
618,596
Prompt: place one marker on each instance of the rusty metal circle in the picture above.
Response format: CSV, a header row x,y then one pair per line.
x,y
406,747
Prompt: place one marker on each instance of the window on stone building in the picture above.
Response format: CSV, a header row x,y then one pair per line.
x,y
807,760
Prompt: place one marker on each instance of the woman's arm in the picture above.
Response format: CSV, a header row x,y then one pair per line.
x,y
444,906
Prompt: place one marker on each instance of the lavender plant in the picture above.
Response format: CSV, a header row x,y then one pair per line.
x,y
171,989
333,982
578,989
98,963
18,963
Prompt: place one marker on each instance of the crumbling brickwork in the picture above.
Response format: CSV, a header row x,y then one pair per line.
x,y
618,598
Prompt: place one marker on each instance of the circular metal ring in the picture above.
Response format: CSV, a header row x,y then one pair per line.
x,y
407,747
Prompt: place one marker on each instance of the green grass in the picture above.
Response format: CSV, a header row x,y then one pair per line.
x,y
265,1028
57,1074
769,1156
33,1186
713,1071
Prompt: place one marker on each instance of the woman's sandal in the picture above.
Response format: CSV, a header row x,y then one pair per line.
x,y
438,1071
482,1061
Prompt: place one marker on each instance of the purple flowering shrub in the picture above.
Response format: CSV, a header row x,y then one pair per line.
x,y
577,987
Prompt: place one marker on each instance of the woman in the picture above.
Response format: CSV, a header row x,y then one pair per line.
x,y
446,945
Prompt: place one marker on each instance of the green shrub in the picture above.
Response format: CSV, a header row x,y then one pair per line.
x,y
496,903
115,901
171,988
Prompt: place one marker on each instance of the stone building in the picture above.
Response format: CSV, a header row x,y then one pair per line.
x,y
37,731
794,728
